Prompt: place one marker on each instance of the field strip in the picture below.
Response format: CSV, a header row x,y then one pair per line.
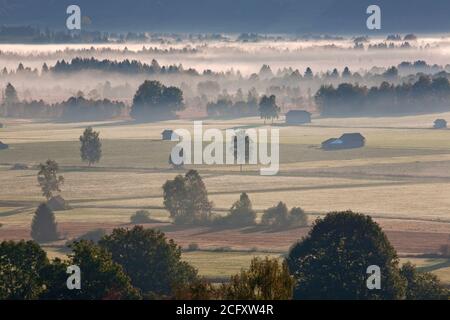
x,y
364,162
335,186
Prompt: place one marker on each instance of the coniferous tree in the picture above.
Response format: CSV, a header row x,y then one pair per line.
x,y
43,225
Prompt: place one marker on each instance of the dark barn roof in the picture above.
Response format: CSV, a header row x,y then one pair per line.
x,y
346,141
298,116
352,136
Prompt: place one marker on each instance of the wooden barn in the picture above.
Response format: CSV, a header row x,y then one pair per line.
x,y
298,117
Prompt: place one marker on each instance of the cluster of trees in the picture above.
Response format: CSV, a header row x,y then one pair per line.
x,y
279,216
268,108
225,107
31,34
186,199
425,95
154,100
76,108
241,214
125,67
329,263
13,107
81,109
126,264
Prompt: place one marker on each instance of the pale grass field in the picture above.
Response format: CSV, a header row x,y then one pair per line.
x,y
403,173
222,264
401,201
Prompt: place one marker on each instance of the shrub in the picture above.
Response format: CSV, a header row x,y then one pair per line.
x,y
279,217
193,247
141,216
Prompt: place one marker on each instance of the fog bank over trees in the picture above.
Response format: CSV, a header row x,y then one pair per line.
x,y
227,78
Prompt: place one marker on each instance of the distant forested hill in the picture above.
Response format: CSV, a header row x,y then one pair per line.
x,y
266,16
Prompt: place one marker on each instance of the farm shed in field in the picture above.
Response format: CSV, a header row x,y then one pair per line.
x,y
167,134
440,124
3,146
346,141
298,117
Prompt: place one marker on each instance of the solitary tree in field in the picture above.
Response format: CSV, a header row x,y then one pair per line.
x,y
238,156
268,108
48,179
91,147
43,226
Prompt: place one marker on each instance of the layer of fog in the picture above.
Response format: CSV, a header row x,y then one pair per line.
x,y
247,58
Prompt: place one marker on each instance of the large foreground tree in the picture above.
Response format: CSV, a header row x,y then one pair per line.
x,y
151,260
21,264
332,261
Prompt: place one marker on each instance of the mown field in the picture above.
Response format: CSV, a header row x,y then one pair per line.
x,y
401,177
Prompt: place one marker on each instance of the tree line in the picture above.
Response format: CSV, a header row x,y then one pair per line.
x,y
76,108
425,95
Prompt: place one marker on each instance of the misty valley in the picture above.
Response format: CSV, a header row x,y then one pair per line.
x,y
143,162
